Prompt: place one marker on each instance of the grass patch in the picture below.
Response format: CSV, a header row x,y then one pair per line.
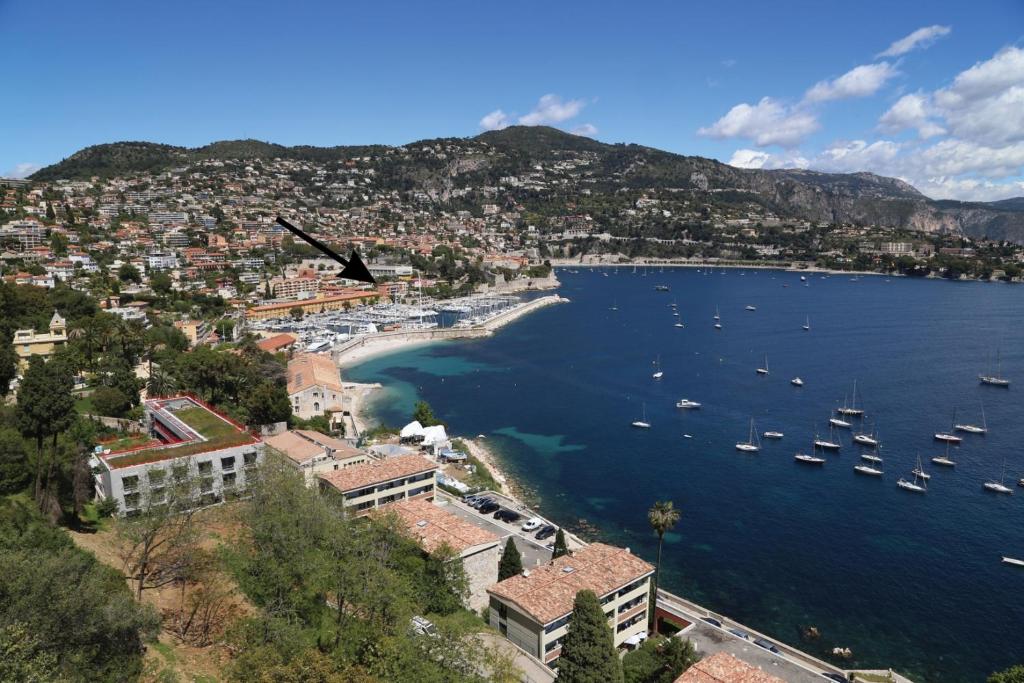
x,y
206,423
872,678
83,404
165,650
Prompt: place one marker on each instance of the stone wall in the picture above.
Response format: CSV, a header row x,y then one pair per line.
x,y
482,572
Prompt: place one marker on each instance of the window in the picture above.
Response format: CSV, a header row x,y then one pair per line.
x,y
158,496
229,479
130,483
156,478
206,467
249,458
131,501
227,464
206,484
180,472
316,406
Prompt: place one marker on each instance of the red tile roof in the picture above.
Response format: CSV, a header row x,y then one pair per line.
x,y
377,472
432,526
722,667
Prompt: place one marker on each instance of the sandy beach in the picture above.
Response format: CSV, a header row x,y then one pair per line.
x,y
379,348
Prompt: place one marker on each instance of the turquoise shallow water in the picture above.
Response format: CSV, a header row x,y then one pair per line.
x,y
909,581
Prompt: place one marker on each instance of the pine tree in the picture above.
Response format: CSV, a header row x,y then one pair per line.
x,y
511,563
588,651
560,547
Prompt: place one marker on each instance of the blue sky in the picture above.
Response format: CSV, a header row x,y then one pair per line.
x,y
816,84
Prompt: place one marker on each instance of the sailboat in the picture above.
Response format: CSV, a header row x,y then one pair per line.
x,y
678,324
919,470
642,423
717,317
658,374
949,437
751,445
615,306
773,435
873,456
998,486
852,409
866,439
944,460
763,370
796,382
838,421
807,325
809,459
869,469
996,380
974,429
913,485
827,444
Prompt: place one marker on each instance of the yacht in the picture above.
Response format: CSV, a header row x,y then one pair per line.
x,y
839,422
873,456
642,423
809,459
851,409
751,308
661,288
687,404
869,470
949,437
717,317
973,429
998,486
807,325
796,382
763,370
658,374
751,445
867,438
944,460
914,485
827,444
773,435
919,470
718,326
996,380
678,325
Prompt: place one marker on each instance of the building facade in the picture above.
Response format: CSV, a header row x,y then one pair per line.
x,y
314,385
314,453
28,343
533,609
368,486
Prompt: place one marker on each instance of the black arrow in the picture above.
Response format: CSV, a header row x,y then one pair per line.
x,y
354,268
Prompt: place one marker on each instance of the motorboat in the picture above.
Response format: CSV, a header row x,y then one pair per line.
x,y
687,404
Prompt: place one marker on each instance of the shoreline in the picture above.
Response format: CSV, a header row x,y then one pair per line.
x,y
510,486
732,266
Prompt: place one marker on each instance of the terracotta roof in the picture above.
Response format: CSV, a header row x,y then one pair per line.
x,y
277,342
294,446
432,526
376,472
722,667
309,369
342,449
549,591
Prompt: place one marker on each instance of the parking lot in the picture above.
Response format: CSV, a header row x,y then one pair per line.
x,y
533,552
708,639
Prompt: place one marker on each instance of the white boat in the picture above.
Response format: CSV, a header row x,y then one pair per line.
x,y
807,325
764,369
999,486
751,445
803,278
642,423
920,483
1013,560
851,409
839,422
809,459
974,429
796,382
996,380
773,435
866,439
873,456
658,374
751,308
868,470
827,444
717,317
718,326
944,460
687,404
678,325
949,437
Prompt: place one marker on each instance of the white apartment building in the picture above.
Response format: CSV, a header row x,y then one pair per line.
x,y
379,482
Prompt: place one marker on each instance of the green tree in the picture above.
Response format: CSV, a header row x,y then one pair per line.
x,y
560,547
296,312
15,472
267,403
588,651
129,273
511,563
662,517
658,660
160,282
110,402
8,366
160,383
1015,674
424,414
50,213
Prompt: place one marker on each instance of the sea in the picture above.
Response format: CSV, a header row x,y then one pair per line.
x,y
911,581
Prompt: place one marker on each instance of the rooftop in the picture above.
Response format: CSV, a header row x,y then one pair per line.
x,y
376,472
722,667
309,369
432,526
184,426
548,592
277,342
293,446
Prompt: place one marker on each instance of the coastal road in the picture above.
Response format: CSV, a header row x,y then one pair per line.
x,y
532,551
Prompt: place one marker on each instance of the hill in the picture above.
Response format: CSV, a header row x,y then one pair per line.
x,y
859,198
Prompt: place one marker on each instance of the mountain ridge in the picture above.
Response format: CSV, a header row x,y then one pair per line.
x,y
859,198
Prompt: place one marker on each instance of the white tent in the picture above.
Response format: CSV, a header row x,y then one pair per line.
x,y
412,429
433,436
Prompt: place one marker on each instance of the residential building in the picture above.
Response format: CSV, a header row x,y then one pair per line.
x,y
294,287
313,452
27,233
278,342
194,330
433,527
28,343
379,482
532,609
325,303
160,261
314,385
189,444
722,667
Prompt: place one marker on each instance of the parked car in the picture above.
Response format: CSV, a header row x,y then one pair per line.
x,y
546,532
712,621
766,644
533,523
488,507
739,634
471,498
423,627
835,677
507,515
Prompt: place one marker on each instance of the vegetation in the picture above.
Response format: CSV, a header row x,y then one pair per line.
x,y
658,660
663,517
588,651
511,563
1015,674
560,547
424,414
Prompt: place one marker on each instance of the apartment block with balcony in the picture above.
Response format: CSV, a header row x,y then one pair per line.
x,y
311,452
189,444
368,486
532,609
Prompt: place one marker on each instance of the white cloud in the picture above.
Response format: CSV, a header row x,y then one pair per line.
x,y
911,111
22,170
860,81
985,103
587,129
857,155
749,158
970,189
551,109
769,122
496,120
919,39
987,78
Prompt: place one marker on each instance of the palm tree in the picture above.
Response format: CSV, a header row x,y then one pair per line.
x,y
161,383
662,517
